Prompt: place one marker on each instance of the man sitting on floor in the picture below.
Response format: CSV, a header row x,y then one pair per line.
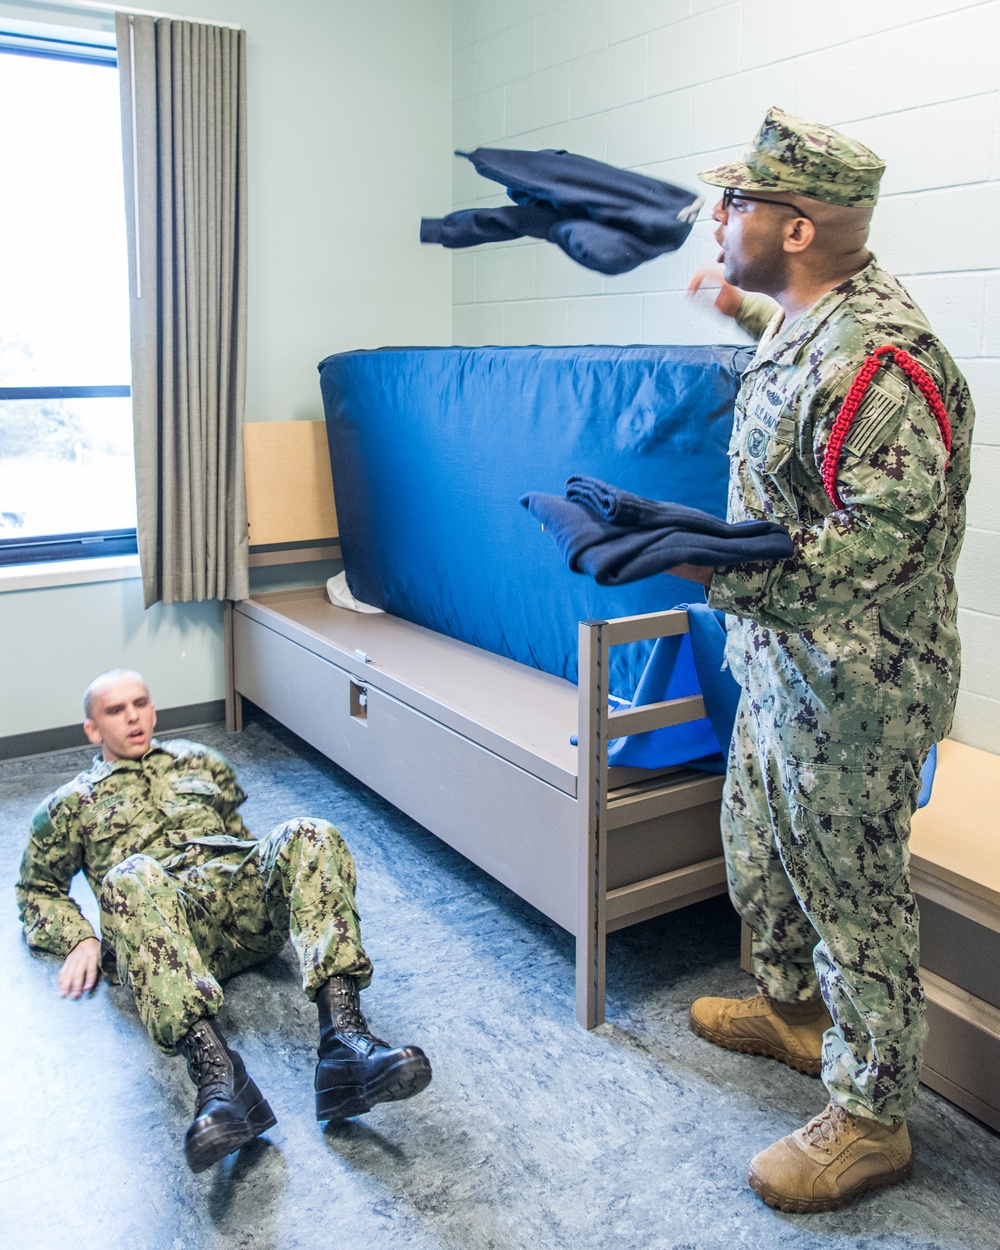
x,y
189,897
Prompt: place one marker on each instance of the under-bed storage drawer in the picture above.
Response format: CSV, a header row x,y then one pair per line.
x,y
962,1056
482,805
957,949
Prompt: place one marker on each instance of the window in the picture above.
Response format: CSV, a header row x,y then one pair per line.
x,y
67,479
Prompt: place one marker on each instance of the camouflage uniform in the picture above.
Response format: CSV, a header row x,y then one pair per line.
x,y
848,654
187,896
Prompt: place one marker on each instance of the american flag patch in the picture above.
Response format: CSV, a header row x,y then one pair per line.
x,y
877,409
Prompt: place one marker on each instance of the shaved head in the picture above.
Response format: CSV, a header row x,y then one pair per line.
x,y
101,683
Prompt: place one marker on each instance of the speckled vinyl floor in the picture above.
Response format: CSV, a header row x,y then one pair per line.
x,y
533,1133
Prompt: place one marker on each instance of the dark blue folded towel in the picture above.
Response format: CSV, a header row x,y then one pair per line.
x,y
620,507
614,554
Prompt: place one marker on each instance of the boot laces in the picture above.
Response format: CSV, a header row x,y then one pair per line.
x,y
208,1066
823,1131
349,1023
352,1026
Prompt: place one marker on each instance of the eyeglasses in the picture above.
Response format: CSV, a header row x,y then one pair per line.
x,y
734,193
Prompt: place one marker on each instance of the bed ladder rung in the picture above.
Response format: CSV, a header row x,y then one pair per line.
x,y
709,875
637,805
648,716
647,626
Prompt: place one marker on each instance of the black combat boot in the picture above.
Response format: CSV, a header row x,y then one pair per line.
x,y
355,1070
231,1110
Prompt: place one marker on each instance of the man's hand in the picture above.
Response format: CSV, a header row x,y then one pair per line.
x,y
700,573
730,297
79,973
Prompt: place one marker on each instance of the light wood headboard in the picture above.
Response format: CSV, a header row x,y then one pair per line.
x,y
289,483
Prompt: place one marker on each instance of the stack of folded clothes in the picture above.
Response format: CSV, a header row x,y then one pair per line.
x,y
616,537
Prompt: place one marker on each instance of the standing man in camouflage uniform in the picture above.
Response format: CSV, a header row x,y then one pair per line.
x,y
188,898
848,653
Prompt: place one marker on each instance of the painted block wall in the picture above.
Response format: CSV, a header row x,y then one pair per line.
x,y
349,141
68,634
669,87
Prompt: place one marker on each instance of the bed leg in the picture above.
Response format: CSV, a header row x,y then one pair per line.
x,y
590,948
234,701
592,802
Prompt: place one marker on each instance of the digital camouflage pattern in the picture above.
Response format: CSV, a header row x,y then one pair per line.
x,y
187,895
860,622
804,158
848,655
824,885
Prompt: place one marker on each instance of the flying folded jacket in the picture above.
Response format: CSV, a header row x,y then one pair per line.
x,y
605,218
614,554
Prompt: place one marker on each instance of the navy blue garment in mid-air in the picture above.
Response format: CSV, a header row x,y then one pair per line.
x,y
605,218
614,554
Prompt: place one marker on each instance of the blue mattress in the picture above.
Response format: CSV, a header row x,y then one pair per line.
x,y
432,448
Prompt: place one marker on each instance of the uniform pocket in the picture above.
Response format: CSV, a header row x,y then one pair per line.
x,y
196,786
764,467
193,793
113,818
845,790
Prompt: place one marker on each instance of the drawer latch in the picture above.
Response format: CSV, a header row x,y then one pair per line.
x,y
359,701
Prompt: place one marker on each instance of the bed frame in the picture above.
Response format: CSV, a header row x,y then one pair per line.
x,y
474,746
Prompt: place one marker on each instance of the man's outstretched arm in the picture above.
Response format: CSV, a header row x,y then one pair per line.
x,y
751,312
52,921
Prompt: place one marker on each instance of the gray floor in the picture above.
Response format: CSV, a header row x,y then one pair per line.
x,y
533,1132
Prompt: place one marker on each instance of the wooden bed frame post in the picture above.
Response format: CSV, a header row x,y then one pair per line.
x,y
592,803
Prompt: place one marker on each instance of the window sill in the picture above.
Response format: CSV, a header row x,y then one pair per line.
x,y
68,573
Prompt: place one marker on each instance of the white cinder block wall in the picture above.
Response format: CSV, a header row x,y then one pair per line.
x,y
669,87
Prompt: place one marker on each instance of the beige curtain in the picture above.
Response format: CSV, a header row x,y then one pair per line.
x,y
183,94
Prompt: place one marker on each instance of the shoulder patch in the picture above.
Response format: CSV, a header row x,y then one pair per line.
x,y
875,413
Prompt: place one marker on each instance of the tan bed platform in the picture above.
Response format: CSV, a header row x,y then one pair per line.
x,y
476,748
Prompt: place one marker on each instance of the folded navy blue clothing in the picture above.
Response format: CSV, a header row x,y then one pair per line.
x,y
605,218
589,243
620,507
470,226
654,211
603,248
615,554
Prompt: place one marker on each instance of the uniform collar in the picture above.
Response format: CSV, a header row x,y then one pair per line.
x,y
786,341
102,768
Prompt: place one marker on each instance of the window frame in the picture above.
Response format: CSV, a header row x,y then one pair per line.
x,y
34,41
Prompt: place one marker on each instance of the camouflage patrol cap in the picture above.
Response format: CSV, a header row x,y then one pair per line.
x,y
805,158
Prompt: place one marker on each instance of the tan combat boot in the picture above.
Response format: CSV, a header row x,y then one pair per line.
x,y
791,1032
829,1162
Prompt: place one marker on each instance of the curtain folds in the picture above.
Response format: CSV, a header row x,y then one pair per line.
x,y
183,97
